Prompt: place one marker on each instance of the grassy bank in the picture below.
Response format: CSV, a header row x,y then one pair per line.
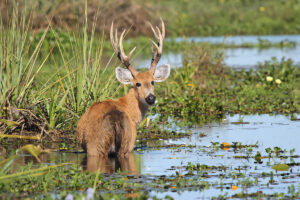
x,y
222,17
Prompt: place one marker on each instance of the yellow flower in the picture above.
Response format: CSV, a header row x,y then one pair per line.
x,y
278,81
225,146
269,78
261,9
234,187
191,85
257,85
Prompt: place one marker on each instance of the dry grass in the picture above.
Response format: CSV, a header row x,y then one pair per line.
x,y
69,14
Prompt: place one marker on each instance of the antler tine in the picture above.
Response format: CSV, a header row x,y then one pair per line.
x,y
152,50
156,46
114,41
120,53
163,28
123,56
130,53
160,39
153,30
160,35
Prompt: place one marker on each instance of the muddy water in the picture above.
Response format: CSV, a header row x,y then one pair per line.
x,y
170,157
238,57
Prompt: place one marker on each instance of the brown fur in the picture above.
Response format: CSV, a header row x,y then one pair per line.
x,y
109,126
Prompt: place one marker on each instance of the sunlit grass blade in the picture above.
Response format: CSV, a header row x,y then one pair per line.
x,y
11,177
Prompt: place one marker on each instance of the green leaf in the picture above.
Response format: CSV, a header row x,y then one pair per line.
x,y
281,167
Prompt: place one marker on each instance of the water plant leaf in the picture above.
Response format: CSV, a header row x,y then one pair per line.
x,y
33,150
281,167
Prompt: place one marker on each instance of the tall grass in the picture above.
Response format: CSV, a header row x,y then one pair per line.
x,y
18,67
60,86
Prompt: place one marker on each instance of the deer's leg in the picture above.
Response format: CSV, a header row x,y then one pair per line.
x,y
126,132
92,149
124,148
132,139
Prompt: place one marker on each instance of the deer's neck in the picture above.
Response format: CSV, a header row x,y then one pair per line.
x,y
135,108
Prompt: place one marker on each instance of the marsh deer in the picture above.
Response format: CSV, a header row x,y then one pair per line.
x,y
110,126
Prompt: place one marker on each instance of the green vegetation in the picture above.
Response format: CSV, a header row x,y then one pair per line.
x,y
242,92
206,91
231,17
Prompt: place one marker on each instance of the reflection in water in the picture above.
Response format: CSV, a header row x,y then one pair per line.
x,y
105,165
111,165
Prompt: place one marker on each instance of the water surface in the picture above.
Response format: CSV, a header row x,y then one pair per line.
x,y
237,57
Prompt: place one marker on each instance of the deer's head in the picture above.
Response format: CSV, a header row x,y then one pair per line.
x,y
142,82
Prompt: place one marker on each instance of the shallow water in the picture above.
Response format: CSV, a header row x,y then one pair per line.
x,y
238,57
241,39
169,157
264,130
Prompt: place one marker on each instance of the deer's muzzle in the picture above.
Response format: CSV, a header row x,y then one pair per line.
x,y
151,99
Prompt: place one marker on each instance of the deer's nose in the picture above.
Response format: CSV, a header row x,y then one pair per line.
x,y
151,99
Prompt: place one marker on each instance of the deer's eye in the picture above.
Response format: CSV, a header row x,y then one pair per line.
x,y
138,84
152,82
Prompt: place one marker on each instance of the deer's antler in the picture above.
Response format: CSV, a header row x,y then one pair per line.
x,y
160,36
120,53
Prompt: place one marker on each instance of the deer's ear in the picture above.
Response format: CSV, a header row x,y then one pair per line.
x,y
162,73
124,75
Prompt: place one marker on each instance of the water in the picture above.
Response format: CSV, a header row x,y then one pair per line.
x,y
242,39
158,158
238,57
264,130
250,57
